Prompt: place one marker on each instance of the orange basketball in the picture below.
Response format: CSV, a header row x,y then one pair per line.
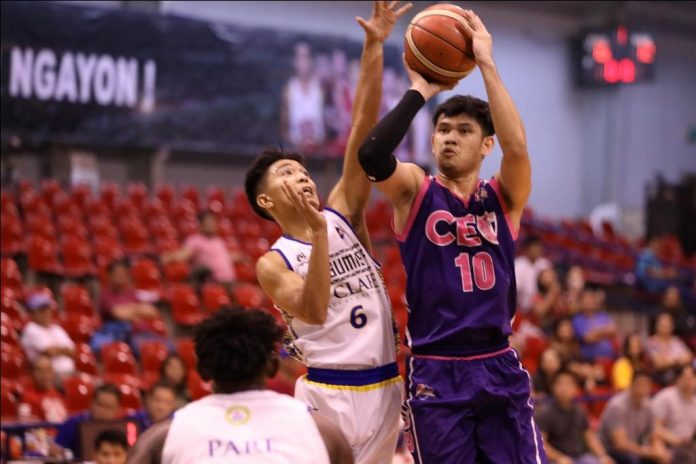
x,y
436,48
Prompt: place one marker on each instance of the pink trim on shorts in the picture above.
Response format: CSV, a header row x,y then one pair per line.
x,y
465,358
514,231
415,207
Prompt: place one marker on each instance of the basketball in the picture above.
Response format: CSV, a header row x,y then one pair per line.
x,y
436,48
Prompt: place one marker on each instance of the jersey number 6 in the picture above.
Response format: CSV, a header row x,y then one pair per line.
x,y
357,319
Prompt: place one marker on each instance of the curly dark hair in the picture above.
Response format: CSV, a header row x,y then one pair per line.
x,y
474,107
257,172
235,345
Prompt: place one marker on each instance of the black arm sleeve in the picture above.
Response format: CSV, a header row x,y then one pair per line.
x,y
376,153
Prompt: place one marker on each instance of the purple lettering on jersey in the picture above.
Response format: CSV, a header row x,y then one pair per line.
x,y
459,262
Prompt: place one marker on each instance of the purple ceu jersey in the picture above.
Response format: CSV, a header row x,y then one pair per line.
x,y
459,260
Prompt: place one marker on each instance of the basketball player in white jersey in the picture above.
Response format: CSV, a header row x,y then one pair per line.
x,y
321,276
241,423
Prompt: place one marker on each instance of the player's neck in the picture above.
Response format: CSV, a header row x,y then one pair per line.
x,y
294,229
463,185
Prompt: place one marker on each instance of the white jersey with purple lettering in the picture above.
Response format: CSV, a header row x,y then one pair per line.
x,y
250,427
359,330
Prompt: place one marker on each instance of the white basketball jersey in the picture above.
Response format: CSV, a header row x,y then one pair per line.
x,y
251,427
359,331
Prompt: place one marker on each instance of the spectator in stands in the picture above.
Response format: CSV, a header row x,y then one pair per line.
x,y
547,303
651,274
111,447
527,269
104,406
42,336
568,438
173,371
549,366
126,318
684,320
160,404
207,252
574,285
626,425
668,353
634,358
45,401
565,342
594,328
674,409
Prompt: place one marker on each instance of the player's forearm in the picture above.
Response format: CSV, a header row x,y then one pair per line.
x,y
506,120
376,153
316,291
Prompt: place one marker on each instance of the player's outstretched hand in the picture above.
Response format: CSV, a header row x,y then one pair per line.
x,y
482,41
426,88
304,209
384,16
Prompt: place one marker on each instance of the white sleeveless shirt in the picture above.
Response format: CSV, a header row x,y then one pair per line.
x,y
251,427
359,331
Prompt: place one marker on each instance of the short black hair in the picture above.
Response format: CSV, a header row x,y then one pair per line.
x,y
204,214
638,373
257,171
117,263
563,372
113,437
108,388
473,107
235,345
162,384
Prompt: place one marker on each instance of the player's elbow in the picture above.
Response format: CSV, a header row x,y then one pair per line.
x,y
516,150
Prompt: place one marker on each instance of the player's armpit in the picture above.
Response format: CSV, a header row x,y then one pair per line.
x,y
149,446
286,288
401,190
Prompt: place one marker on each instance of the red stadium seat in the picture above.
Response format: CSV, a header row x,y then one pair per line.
x,y
117,357
33,204
176,271
187,227
78,390
130,399
77,257
107,250
119,378
8,334
96,207
63,205
85,361
11,309
186,349
80,327
80,193
41,225
10,402
13,236
124,207
191,194
109,193
164,245
152,354
76,299
11,276
165,194
49,189
13,362
43,255
137,191
214,296
72,226
186,310
101,226
248,296
146,275
245,271
184,209
136,238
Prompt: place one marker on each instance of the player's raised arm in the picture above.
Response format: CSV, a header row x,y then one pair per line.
x,y
515,175
307,299
148,448
351,194
398,181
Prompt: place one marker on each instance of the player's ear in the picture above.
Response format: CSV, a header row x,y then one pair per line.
x,y
487,145
273,366
264,201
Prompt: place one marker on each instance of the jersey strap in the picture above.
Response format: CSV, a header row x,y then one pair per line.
x,y
365,379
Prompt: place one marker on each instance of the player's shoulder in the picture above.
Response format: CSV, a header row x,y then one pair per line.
x,y
271,262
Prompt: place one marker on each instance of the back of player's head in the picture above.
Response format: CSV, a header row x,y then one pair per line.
x,y
235,347
473,107
257,172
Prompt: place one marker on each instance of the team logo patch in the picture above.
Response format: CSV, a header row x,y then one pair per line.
x,y
425,391
341,233
237,415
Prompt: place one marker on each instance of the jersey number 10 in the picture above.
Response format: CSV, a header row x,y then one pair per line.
x,y
483,273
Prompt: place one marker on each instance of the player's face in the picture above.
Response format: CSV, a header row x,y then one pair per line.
x,y
459,145
297,178
110,453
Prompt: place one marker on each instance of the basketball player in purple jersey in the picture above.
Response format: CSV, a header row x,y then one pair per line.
x,y
468,396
